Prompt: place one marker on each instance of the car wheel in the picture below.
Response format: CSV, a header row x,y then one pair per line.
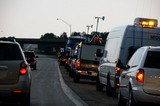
x,y
130,100
26,101
108,87
34,68
121,100
70,74
99,86
76,78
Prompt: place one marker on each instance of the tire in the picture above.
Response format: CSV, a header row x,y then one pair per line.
x,y
70,74
76,78
108,87
34,68
26,101
99,86
130,100
121,100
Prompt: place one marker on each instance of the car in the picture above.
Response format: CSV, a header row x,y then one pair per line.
x,y
62,58
31,58
140,81
15,74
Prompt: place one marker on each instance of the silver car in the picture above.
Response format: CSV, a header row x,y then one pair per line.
x,y
15,76
140,82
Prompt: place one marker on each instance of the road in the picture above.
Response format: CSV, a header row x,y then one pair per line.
x,y
48,88
86,90
51,86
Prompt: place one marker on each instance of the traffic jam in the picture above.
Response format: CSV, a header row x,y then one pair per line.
x,y
126,65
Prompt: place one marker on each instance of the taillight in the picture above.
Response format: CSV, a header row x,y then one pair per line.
x,y
140,75
23,68
78,64
17,91
118,69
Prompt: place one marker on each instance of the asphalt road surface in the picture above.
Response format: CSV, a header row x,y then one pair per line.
x,y
48,88
51,86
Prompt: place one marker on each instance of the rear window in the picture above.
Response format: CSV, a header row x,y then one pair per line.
x,y
29,54
10,52
153,59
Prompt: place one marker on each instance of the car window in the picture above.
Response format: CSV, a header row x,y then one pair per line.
x,y
10,52
29,54
152,59
135,59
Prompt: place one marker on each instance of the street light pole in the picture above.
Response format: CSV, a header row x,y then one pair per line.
x,y
98,21
97,25
66,24
88,26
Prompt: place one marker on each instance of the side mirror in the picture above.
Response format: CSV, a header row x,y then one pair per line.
x,y
127,66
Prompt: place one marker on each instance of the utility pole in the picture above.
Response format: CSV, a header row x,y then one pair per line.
x,y
97,25
98,21
88,26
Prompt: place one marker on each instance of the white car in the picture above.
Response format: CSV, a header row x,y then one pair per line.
x,y
140,82
15,74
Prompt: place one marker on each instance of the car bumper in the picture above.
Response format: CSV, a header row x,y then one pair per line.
x,y
88,74
140,96
16,91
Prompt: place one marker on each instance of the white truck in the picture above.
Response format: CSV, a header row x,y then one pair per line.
x,y
121,43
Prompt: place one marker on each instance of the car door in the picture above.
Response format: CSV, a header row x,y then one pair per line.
x,y
128,75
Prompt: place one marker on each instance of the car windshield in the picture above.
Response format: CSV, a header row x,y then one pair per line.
x,y
10,52
153,59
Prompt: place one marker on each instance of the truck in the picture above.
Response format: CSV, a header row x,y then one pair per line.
x,y
120,45
70,49
87,61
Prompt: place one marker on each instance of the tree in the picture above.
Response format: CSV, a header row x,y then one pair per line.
x,y
48,36
76,34
64,35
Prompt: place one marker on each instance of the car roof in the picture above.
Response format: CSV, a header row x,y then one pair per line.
x,y
8,42
151,47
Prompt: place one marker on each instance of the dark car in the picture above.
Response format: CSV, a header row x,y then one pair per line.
x,y
31,59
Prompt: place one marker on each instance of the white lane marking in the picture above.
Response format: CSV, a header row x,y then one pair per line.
x,y
71,95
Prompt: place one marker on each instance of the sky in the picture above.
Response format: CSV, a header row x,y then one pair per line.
x,y
33,18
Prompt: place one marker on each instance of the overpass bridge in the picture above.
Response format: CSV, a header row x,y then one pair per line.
x,y
47,44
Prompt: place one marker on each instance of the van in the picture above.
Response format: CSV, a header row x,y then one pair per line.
x,y
121,43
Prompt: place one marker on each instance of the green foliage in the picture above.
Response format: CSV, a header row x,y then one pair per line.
x,y
48,36
64,35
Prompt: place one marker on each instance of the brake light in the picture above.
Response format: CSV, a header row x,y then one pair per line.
x,y
23,68
140,75
23,71
118,69
17,91
78,64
